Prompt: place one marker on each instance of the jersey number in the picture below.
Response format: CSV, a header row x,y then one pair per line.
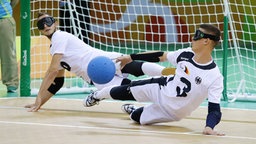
x,y
65,65
185,90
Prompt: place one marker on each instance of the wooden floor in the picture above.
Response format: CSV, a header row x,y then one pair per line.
x,y
66,121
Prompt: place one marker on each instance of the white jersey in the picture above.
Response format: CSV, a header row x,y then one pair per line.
x,y
182,93
76,54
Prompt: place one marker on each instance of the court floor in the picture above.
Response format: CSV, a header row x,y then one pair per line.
x,y
62,121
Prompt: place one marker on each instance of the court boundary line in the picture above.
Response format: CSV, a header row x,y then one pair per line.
x,y
113,101
120,129
188,117
75,105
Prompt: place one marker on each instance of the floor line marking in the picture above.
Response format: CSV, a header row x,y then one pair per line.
x,y
113,101
119,129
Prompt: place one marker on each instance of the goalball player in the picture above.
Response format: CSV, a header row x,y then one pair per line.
x,y
72,54
174,97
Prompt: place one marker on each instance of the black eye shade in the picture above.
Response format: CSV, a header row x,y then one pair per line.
x,y
199,34
47,20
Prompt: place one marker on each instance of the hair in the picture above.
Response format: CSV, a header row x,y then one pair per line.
x,y
211,29
41,14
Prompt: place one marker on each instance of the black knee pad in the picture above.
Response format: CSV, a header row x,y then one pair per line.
x,y
126,81
133,68
121,93
136,114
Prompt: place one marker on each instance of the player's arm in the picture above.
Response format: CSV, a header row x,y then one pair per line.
x,y
154,56
52,82
213,118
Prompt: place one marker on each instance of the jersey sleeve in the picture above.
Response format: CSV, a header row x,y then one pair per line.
x,y
59,43
172,56
215,90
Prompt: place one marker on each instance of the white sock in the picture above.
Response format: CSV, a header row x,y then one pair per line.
x,y
152,69
104,93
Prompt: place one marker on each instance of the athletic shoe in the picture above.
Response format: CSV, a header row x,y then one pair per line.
x,y
128,108
11,89
90,100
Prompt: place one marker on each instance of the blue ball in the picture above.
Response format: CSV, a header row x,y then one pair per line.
x,y
101,70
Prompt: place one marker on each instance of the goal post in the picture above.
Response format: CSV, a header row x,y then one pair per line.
x,y
140,25
25,49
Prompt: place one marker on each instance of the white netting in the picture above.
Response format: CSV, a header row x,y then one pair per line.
x,y
242,55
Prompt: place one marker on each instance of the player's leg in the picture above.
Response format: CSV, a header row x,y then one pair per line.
x,y
149,114
135,113
155,113
147,91
138,68
123,92
139,87
108,92
9,66
152,69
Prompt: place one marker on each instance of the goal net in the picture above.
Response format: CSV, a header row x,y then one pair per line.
x,y
241,59
131,26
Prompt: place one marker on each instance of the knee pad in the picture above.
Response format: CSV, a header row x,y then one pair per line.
x,y
121,93
126,81
133,68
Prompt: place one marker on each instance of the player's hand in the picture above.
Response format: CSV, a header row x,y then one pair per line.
x,y
29,105
35,106
210,131
32,107
124,60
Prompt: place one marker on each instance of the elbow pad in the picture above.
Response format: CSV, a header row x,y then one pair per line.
x,y
214,115
56,85
213,118
150,57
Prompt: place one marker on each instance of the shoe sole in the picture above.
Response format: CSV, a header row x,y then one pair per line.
x,y
123,107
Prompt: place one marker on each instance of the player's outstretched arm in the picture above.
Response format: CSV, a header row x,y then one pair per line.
x,y
44,95
52,82
40,100
213,118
